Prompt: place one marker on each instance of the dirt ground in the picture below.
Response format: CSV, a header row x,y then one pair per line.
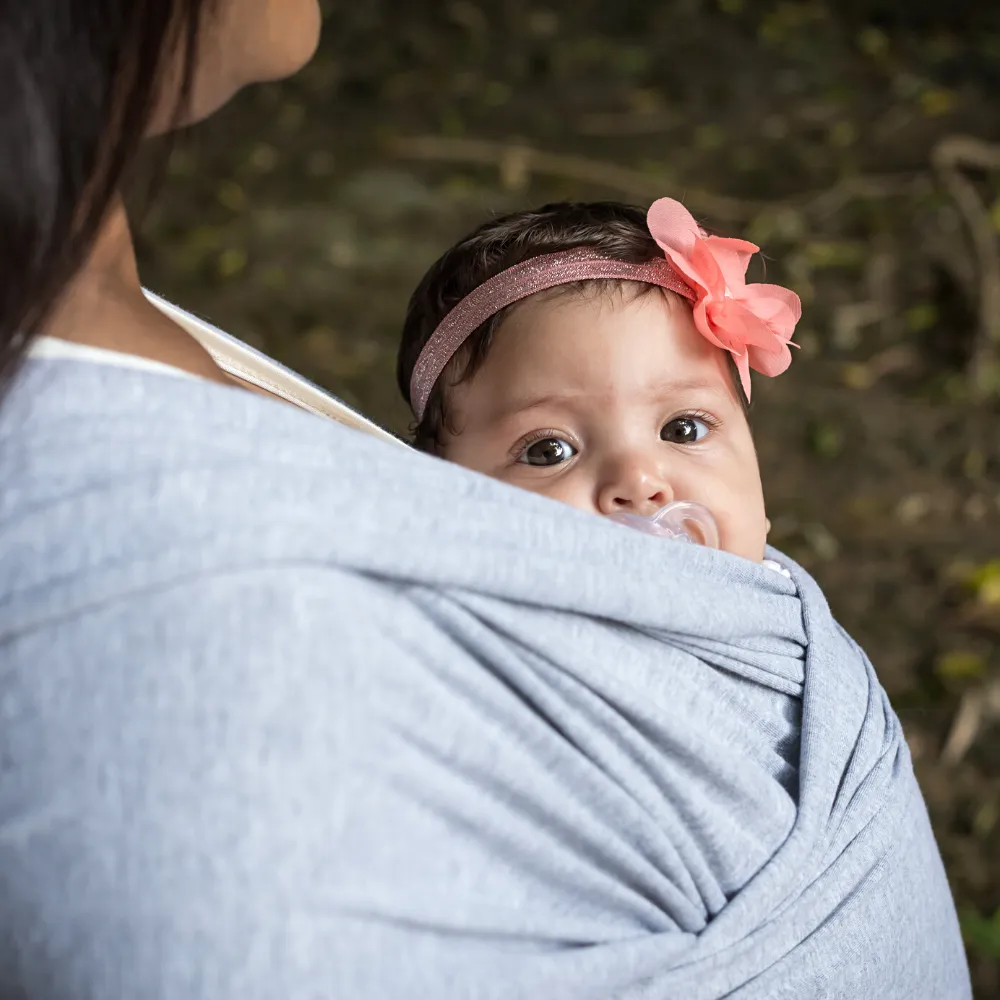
x,y
852,141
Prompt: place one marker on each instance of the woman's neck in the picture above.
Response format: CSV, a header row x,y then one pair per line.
x,y
105,307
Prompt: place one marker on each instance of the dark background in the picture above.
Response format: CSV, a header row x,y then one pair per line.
x,y
852,139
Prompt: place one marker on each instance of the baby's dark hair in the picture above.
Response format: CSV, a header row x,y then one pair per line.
x,y
615,231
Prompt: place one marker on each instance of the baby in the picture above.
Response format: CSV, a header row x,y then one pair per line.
x,y
600,356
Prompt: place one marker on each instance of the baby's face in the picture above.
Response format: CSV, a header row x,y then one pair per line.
x,y
612,404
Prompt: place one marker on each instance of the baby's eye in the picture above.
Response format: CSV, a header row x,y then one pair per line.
x,y
684,430
547,451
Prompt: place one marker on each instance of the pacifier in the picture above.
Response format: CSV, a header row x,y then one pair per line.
x,y
682,520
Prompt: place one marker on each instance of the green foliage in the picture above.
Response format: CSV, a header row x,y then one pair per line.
x,y
984,583
826,440
960,664
982,934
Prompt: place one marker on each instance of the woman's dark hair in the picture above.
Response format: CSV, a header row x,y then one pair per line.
x,y
616,231
80,81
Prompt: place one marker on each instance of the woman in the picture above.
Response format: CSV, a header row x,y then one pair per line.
x,y
290,711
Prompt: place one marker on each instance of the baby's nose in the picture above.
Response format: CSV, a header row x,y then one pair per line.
x,y
637,488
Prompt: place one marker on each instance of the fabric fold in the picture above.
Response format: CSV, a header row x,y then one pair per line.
x,y
421,734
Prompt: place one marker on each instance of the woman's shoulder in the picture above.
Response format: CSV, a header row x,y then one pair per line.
x,y
104,465
98,406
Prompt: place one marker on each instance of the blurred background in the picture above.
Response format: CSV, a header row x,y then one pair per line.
x,y
854,140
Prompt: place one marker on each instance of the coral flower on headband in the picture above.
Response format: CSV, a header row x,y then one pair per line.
x,y
753,322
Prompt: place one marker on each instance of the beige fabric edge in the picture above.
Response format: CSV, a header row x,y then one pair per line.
x,y
246,365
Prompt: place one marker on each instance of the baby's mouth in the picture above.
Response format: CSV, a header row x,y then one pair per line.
x,y
682,520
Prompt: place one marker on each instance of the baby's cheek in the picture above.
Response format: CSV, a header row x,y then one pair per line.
x,y
743,524
570,490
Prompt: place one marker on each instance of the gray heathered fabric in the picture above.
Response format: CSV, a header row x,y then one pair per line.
x,y
286,712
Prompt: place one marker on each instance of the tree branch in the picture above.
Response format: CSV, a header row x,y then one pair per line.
x,y
949,157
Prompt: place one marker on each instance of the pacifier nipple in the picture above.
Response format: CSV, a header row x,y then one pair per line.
x,y
682,520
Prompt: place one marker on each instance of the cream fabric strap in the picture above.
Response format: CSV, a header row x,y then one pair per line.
x,y
251,366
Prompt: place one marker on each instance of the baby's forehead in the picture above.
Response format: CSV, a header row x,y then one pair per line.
x,y
570,322
590,350
605,387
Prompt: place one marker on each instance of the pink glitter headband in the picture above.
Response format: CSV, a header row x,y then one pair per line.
x,y
753,322
516,283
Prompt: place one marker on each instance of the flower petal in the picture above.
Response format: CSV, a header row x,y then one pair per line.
x,y
681,263
672,226
738,327
770,362
743,367
775,317
774,301
786,295
704,324
733,259
706,270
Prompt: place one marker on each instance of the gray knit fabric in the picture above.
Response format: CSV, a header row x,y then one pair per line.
x,y
286,712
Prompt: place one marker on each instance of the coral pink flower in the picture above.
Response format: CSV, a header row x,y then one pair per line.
x,y
753,322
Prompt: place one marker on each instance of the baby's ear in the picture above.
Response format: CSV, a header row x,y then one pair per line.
x,y
767,526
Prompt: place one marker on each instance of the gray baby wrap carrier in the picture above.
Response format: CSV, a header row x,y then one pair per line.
x,y
291,712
